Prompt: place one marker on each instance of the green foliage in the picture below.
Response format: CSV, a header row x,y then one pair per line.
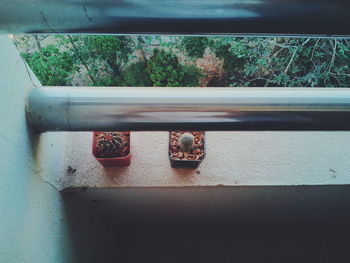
x,y
166,71
232,53
51,66
231,50
163,68
104,57
115,60
136,75
276,61
113,50
194,47
295,63
191,76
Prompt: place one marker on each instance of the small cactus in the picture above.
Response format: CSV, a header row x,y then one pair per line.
x,y
109,144
186,141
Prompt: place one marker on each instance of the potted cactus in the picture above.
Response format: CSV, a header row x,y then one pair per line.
x,y
186,149
112,148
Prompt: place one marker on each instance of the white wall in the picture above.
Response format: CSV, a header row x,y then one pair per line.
x,y
32,224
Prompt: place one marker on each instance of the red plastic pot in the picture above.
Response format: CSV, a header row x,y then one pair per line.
x,y
114,161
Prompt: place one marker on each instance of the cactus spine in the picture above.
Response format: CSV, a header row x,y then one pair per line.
x,y
109,144
186,141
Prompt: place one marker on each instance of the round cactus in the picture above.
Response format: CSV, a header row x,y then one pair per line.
x,y
109,144
186,141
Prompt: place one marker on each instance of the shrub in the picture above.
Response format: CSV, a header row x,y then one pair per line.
x,y
51,66
194,47
166,71
136,75
113,50
103,57
293,62
191,76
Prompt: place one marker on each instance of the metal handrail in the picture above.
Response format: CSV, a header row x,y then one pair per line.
x,y
120,108
264,17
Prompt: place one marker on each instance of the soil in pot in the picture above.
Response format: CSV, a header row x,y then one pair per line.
x,y
186,158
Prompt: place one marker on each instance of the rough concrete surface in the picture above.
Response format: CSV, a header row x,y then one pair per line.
x,y
232,158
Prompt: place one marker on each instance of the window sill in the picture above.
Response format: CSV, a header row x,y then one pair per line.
x,y
232,159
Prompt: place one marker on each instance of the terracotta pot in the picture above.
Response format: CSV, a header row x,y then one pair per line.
x,y
113,161
192,164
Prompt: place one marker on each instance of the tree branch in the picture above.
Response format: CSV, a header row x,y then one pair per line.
x,y
81,59
294,53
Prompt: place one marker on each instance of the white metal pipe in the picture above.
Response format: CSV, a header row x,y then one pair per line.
x,y
120,108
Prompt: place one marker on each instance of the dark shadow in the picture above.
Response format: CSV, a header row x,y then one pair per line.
x,y
97,236
33,138
91,234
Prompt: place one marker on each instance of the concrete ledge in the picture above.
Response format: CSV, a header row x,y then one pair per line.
x,y
233,159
